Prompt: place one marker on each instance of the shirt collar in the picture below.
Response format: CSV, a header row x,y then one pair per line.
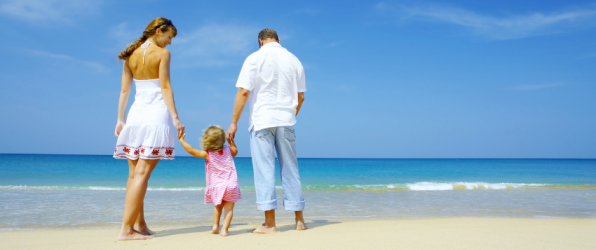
x,y
272,44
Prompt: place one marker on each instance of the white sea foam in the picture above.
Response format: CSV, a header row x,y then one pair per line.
x,y
95,188
429,186
434,186
107,188
418,186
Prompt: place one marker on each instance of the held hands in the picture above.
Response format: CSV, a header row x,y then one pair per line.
x,y
230,140
231,132
119,127
182,137
179,127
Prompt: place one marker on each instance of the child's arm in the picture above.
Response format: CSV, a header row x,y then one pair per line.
x,y
192,151
233,148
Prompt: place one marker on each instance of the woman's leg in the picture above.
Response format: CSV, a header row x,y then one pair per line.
x,y
229,213
135,195
216,215
140,222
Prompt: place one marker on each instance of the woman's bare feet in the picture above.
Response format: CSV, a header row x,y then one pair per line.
x,y
223,232
262,229
132,235
215,229
145,231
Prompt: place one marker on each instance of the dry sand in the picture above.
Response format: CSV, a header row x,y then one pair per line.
x,y
452,233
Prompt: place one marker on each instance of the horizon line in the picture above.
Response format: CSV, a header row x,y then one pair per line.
x,y
382,158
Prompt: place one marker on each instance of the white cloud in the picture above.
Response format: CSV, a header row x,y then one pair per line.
x,y
94,65
534,87
499,28
41,12
215,44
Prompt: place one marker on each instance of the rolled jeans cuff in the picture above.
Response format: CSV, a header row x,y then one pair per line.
x,y
267,205
294,205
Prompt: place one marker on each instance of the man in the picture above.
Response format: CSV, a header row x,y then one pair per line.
x,y
273,80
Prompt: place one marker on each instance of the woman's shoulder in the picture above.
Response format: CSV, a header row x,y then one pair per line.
x,y
161,50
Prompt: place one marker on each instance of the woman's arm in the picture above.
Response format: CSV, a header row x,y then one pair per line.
x,y
124,93
166,90
233,148
191,150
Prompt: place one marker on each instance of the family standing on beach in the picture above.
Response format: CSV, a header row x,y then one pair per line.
x,y
272,79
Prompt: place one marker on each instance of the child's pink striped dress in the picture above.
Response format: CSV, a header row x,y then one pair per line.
x,y
222,180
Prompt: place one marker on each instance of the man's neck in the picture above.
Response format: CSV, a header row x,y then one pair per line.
x,y
269,40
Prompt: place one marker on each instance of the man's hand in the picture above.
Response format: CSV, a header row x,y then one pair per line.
x,y
231,132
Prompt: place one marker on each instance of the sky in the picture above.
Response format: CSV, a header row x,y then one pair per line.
x,y
385,79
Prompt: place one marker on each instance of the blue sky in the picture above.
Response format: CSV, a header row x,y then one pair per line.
x,y
388,79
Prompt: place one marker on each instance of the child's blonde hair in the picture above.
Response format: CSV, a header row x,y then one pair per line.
x,y
213,138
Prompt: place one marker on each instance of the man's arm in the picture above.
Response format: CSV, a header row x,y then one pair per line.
x,y
239,103
300,100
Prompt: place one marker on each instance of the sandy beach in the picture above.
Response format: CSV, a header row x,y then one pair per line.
x,y
451,233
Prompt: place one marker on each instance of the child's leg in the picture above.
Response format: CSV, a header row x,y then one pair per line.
x,y
216,215
228,214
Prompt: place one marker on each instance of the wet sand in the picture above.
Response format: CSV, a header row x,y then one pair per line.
x,y
450,233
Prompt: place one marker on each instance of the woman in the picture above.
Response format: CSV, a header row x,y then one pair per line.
x,y
147,137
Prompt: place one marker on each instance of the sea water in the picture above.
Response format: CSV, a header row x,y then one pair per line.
x,y
77,191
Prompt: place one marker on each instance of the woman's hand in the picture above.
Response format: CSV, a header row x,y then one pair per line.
x,y
119,127
182,137
179,127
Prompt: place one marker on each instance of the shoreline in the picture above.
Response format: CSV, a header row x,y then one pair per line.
x,y
439,233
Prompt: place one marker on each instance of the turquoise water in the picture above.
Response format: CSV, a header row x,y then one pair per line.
x,y
187,173
76,191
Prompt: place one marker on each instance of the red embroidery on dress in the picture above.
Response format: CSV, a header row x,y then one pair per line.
x,y
136,152
115,150
155,152
127,150
142,150
169,151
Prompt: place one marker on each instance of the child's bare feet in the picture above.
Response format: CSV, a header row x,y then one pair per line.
x,y
132,235
262,229
215,229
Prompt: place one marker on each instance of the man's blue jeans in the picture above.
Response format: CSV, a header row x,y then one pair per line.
x,y
262,144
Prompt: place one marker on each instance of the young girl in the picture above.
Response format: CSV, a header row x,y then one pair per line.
x,y
222,181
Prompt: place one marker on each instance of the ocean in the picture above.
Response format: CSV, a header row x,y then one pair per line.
x,y
85,191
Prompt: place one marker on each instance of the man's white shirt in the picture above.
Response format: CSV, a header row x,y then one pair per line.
x,y
274,77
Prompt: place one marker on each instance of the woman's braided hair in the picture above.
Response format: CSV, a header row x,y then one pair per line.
x,y
162,23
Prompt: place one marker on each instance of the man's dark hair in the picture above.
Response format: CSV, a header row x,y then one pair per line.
x,y
268,33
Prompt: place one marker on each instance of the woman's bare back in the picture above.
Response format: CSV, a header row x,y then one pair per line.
x,y
149,69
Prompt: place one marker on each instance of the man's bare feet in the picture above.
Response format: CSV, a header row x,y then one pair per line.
x,y
132,235
300,225
262,229
145,231
215,229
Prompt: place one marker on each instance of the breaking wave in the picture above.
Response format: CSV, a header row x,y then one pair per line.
x,y
417,186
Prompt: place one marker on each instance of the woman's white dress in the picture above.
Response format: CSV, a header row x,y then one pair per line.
x,y
148,133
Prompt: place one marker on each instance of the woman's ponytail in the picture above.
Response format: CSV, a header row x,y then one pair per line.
x,y
131,48
159,22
